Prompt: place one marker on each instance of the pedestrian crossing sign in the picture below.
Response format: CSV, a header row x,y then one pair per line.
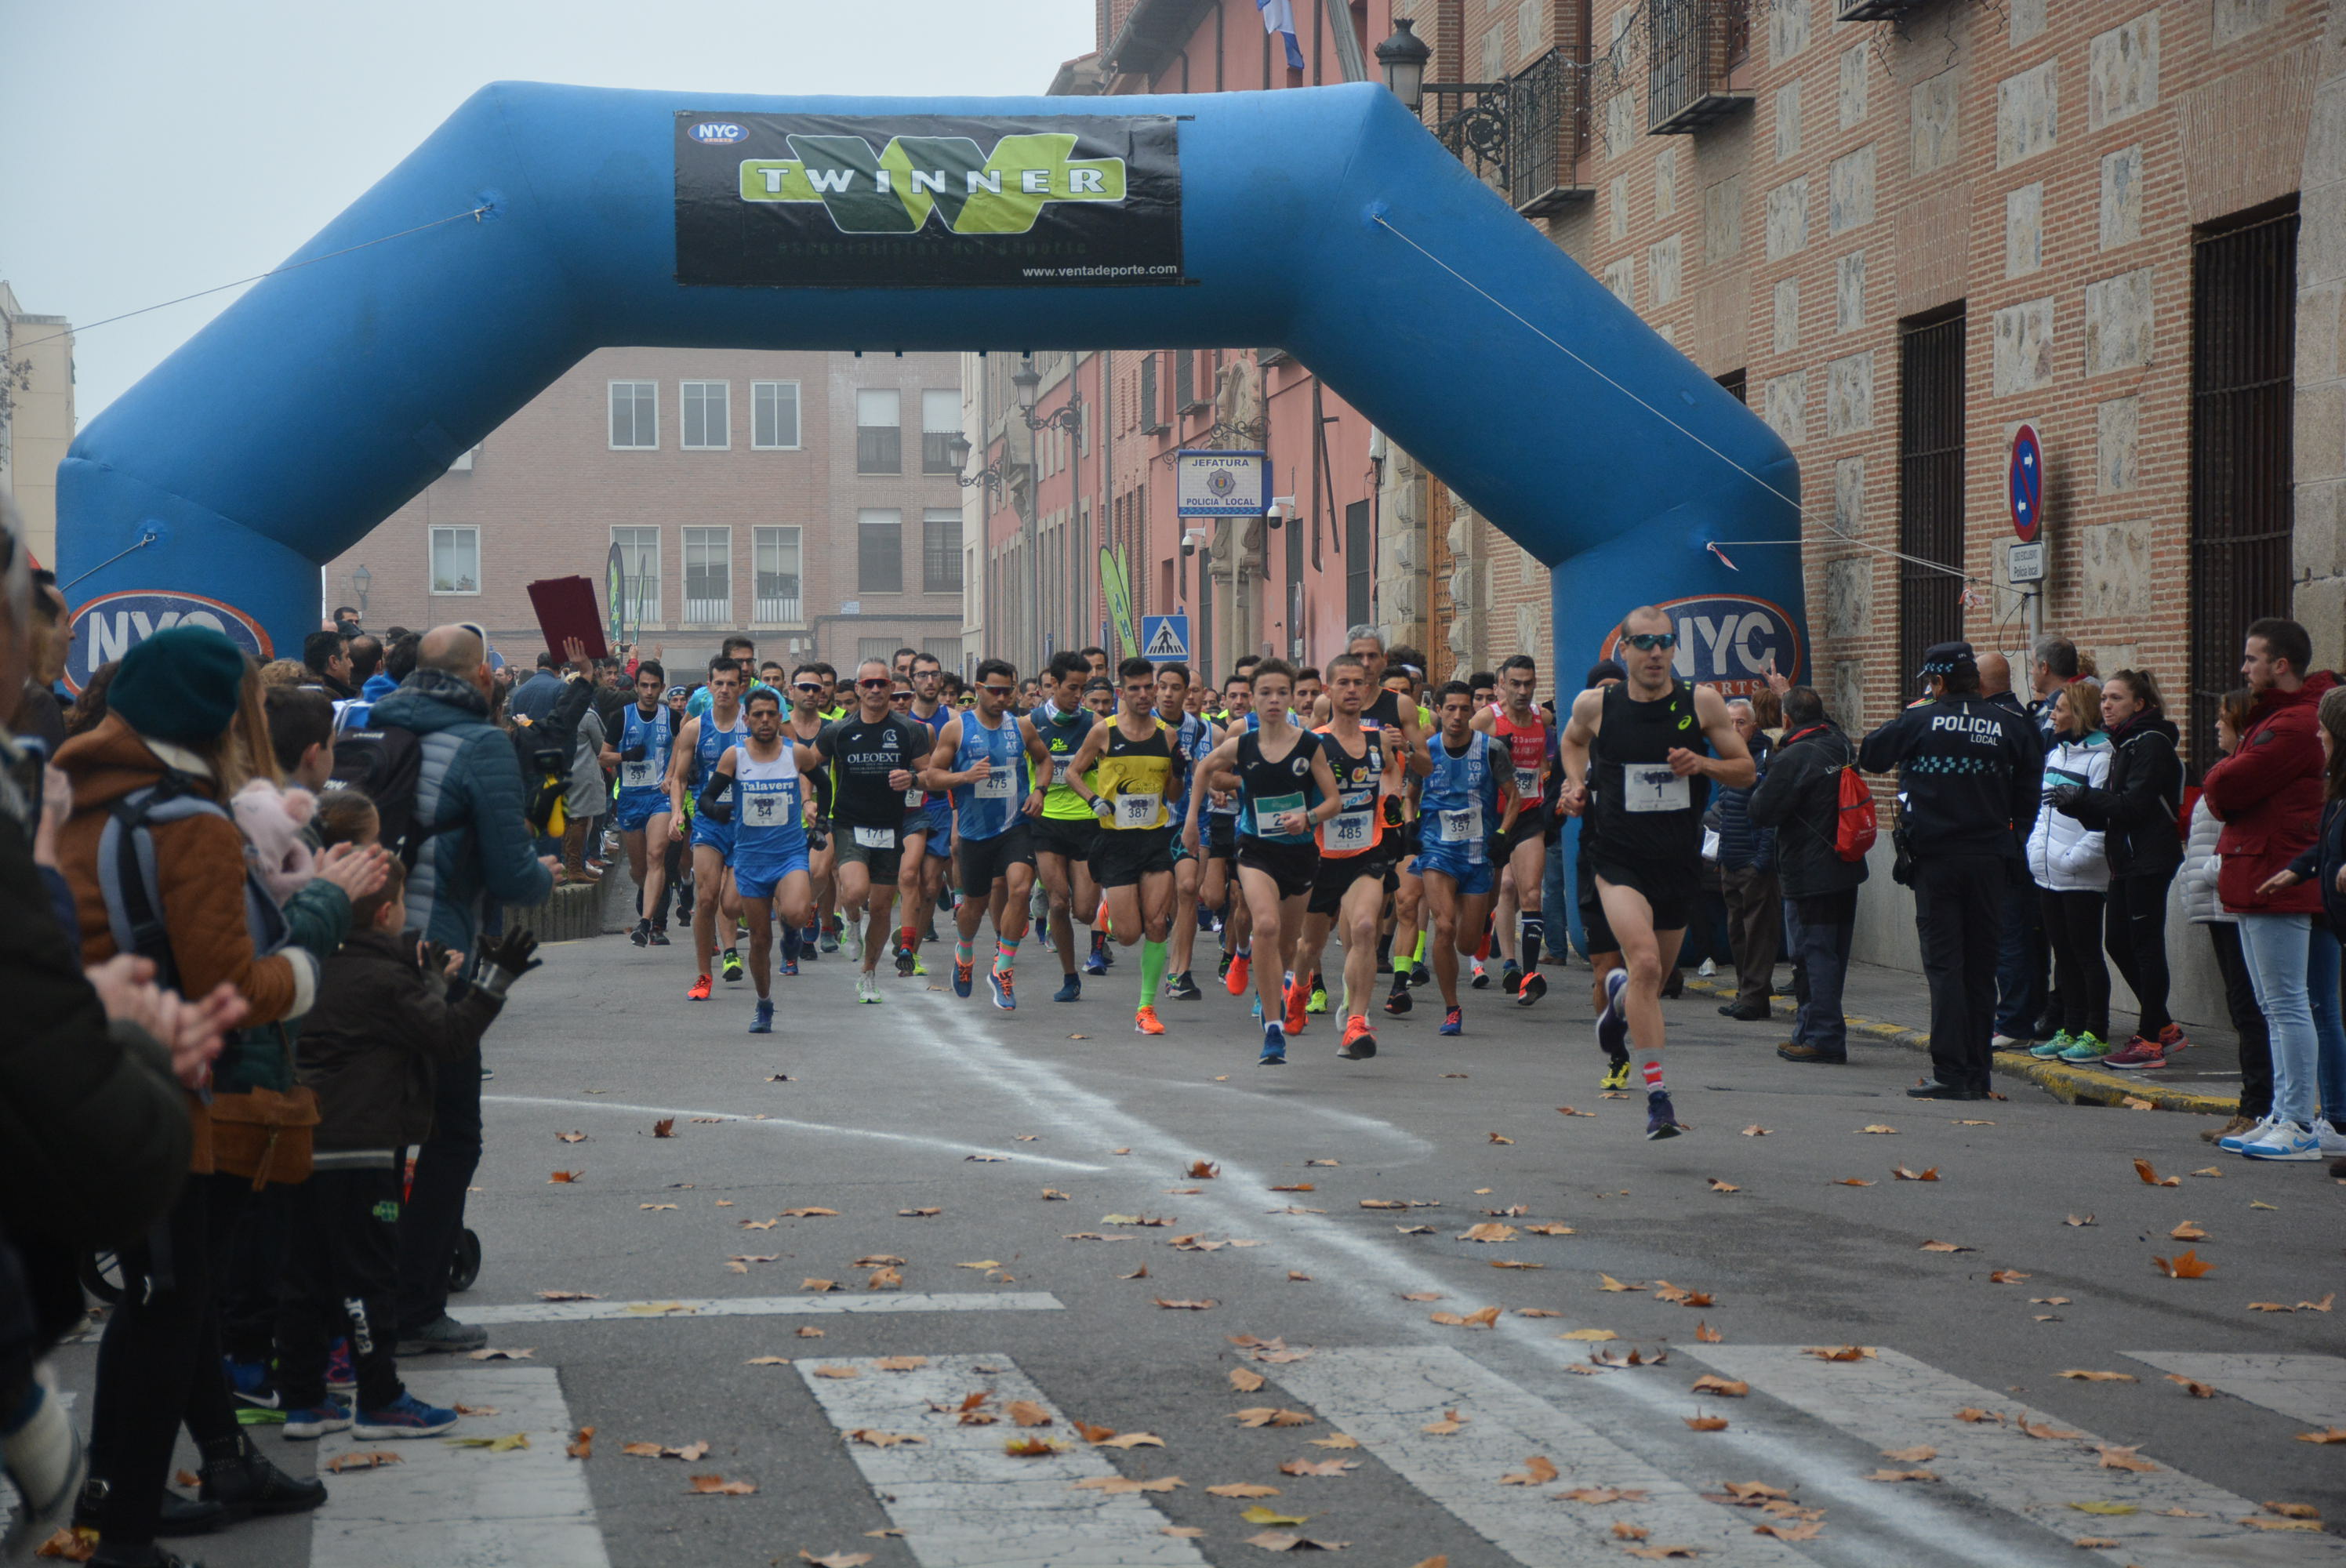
x,y
1164,639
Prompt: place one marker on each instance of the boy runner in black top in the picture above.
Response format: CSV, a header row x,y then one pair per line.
x,y
1279,767
872,754
1629,759
1065,833
1218,810
1126,770
1370,772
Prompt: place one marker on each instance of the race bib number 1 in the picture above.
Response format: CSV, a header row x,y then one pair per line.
x,y
1652,787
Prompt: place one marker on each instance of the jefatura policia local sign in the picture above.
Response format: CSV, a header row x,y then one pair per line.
x,y
927,200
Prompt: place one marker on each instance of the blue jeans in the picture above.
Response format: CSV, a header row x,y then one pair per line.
x,y
2277,948
2329,1029
2020,961
1560,892
1818,934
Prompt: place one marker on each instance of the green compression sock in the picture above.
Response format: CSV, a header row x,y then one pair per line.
x,y
1153,955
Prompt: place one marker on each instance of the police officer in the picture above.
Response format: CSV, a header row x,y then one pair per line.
x,y
1968,779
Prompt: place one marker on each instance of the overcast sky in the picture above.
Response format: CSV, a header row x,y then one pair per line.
x,y
155,147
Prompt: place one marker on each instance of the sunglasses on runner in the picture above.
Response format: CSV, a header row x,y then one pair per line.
x,y
875,685
900,696
999,690
1646,642
807,686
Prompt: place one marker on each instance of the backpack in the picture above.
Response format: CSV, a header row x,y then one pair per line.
x,y
126,876
1855,826
388,765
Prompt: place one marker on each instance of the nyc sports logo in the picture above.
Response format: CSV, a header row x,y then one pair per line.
x,y
895,189
1728,640
113,624
718,132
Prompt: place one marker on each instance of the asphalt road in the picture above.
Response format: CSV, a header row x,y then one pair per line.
x,y
952,1136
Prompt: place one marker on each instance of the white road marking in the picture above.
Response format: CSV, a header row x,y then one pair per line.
x,y
443,1506
787,1124
962,1502
2309,1388
1897,1401
1384,1396
878,1303
1373,1270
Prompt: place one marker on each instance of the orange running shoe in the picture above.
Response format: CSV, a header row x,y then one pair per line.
x,y
1358,1043
1299,991
1145,1022
1242,967
700,992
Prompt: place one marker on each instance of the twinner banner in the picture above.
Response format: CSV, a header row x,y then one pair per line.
x,y
927,200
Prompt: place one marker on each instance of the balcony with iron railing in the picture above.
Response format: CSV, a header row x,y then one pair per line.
x,y
1697,54
1525,136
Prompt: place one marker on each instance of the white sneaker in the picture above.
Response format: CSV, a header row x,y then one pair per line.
x,y
2010,1042
2333,1142
867,988
1707,968
2285,1141
855,935
2239,1141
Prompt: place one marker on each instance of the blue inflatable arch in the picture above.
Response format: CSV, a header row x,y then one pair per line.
x,y
1324,220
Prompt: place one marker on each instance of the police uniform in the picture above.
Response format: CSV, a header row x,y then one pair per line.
x,y
1969,773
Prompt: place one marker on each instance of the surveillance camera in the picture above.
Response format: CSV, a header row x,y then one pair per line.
x,y
1189,545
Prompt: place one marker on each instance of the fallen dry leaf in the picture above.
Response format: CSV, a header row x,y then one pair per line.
x,y
1336,1440
2079,1219
1120,1486
1704,1334
1852,1181
805,1333
1877,1127
1258,1515
2044,1430
2188,1231
767,1361
665,1127
2328,1434
2117,1458
1488,1231
1568,1111
1975,1414
1206,1305
810,1213
1625,1531
655,1205
918,1213
1947,1246
842,1372
1451,1424
1729,1388
2006,1276
1317,1467
1032,1447
718,1486
1028,1413
1514,1263
836,1559
1129,1441
1280,1541
1903,1173
572,1137
1538,1470
885,1279
496,1355
1606,1282
819,1286
1705,1423
1203,1170
2322,1306
2258,1522
1601,1494
2293,1509
2192,1386
1808,1531
900,1363
567,1295
1903,1475
1719,1185
2183,1266
2262,1204
2209,1171
1271,1416
1296,1186
582,1443
1243,1489
355,1460
563,1178
1551,1229
1755,1131
1496,1138
2080,1375
1481,1318
1841,1353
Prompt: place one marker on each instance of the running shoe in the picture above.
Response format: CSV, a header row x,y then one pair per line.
x,y
732,965
1453,1022
1613,1025
2047,1049
1661,1117
1317,1000
829,943
791,965
903,960
309,1425
341,1372
854,934
2246,1136
1006,994
1400,1002
1535,986
405,1417
1097,963
1510,979
1481,981
2137,1056
762,1023
1240,970
964,976
1043,933
642,935
2087,1048
1420,974
2284,1140
811,942
1070,989
1616,1077
1296,998
1205,919
1181,988
2173,1041
659,936
867,986
252,1383
1359,1045
700,992
919,969
1145,1022
1274,1047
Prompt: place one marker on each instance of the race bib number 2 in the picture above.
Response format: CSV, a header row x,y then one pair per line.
x,y
1652,787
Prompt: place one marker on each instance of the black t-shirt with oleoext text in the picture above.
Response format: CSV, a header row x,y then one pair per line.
x,y
862,754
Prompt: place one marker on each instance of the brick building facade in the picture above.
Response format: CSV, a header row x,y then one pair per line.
x,y
805,498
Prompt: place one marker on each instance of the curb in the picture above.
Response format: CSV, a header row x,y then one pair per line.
x,y
2077,1085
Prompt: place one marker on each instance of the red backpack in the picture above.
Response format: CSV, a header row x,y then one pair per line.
x,y
1854,824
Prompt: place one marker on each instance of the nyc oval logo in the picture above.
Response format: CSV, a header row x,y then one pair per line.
x,y
113,624
1728,640
718,131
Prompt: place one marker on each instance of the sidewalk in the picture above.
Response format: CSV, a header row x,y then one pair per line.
x,y
1892,1004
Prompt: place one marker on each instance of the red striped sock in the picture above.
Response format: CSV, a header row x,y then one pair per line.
x,y
1653,1076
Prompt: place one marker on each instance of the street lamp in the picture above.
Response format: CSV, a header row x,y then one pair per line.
x,y
1402,58
1028,380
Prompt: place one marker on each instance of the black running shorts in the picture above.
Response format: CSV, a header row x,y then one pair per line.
x,y
979,863
1122,856
1669,888
1293,867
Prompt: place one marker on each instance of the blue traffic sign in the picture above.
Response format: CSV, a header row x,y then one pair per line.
x,y
1165,639
2027,483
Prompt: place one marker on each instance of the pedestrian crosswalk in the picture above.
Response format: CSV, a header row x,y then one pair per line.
x,y
1471,1436
882,1303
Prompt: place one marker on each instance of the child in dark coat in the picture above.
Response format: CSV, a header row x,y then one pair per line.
x,y
389,1010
